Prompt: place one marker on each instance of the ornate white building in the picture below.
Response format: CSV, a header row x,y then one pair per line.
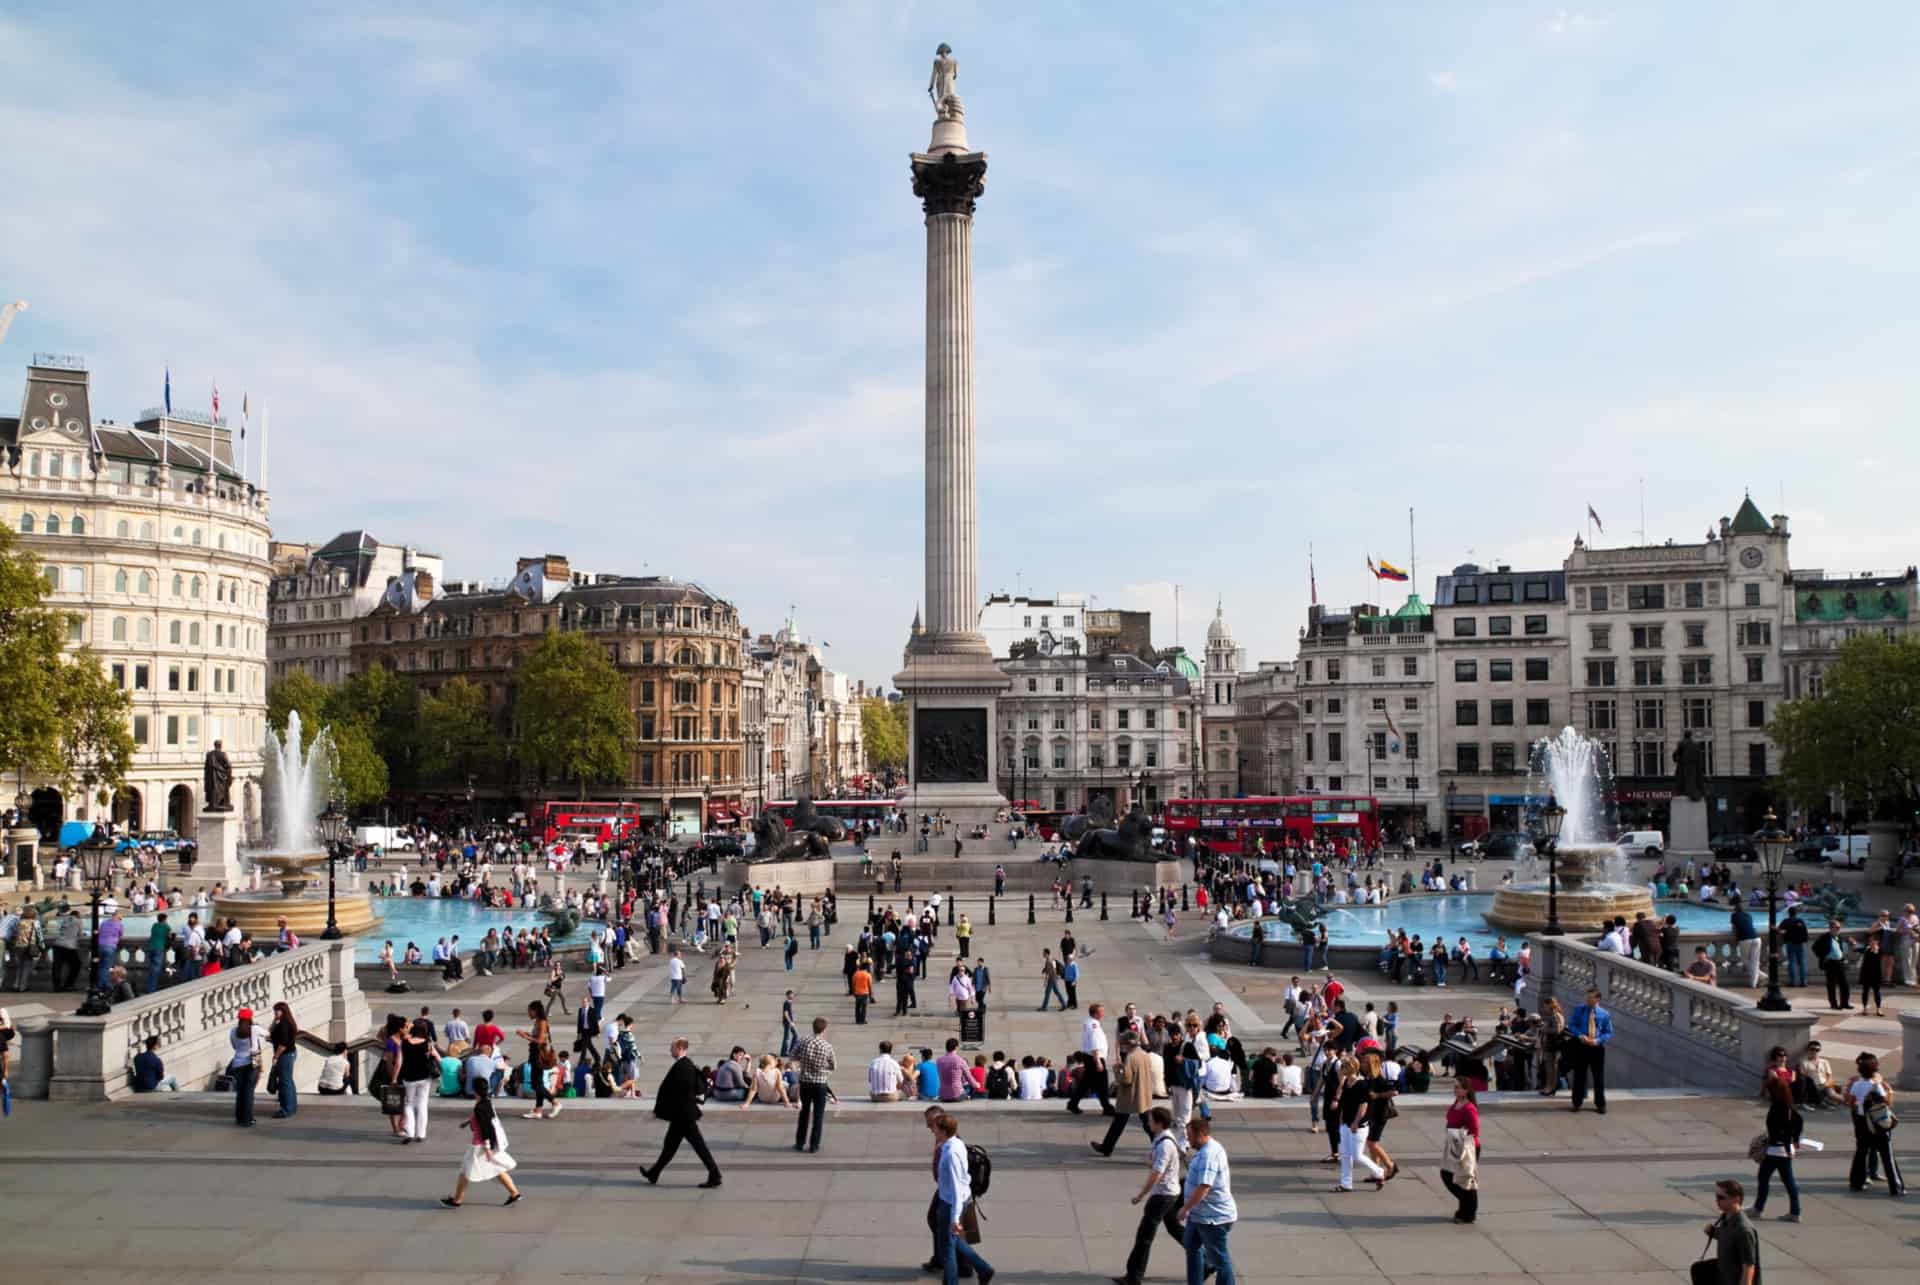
x,y
155,542
1220,770
318,592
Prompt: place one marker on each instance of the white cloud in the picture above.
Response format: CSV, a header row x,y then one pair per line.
x,y
1568,26
1444,81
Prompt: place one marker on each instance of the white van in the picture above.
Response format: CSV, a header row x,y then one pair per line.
x,y
390,838
1642,843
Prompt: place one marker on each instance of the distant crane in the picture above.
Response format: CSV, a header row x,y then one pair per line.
x,y
6,315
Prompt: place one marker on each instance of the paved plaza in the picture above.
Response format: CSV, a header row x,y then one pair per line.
x,y
165,1188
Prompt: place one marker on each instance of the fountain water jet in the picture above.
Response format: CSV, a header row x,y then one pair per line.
x,y
1595,885
297,780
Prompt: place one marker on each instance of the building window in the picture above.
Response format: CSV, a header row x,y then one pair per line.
x,y
1334,747
1410,666
1646,597
1466,671
1537,669
1181,719
1756,669
1500,713
1466,713
1466,593
1752,600
1379,667
1033,684
1466,759
1649,715
1093,720
1647,637
1500,626
1059,684
1648,759
1380,703
1598,597
1535,624
1333,671
1600,637
1059,756
140,680
1334,704
1334,783
1465,627
173,729
1096,756
1413,745
1602,714
1121,719
1309,747
1379,745
1696,672
1649,673
1754,633
1696,635
1600,673
646,767
1149,716
1500,591
1410,703
1503,757
1696,712
1499,671
1756,759
1538,713
1756,713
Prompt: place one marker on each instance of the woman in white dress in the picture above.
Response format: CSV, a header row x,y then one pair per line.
x,y
487,1159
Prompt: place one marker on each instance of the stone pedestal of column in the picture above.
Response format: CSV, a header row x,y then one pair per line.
x,y
1688,827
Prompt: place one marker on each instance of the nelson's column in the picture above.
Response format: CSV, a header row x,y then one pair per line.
x,y
950,679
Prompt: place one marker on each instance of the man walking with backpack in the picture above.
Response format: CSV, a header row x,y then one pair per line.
x,y
958,1226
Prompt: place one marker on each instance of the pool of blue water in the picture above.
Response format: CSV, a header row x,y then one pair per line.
x,y
421,920
1464,915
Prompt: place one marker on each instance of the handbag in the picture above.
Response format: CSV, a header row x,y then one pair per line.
x,y
970,1223
273,1079
393,1099
1757,1149
1879,1113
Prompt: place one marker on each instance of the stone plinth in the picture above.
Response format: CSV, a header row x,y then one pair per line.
x,y
806,878
217,836
1909,1050
1687,827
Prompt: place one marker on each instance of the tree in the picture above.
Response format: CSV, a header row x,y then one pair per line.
x,y
32,642
1860,737
385,706
359,773
96,747
883,728
455,733
300,691
574,719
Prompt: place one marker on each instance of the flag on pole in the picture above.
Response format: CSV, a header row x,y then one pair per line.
x,y
1394,730
167,391
1384,570
216,401
243,434
1313,587
1595,519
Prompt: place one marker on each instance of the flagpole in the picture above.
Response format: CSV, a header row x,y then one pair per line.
x,y
263,445
1413,557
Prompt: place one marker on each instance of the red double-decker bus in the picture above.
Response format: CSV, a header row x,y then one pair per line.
x,y
603,823
846,811
1231,826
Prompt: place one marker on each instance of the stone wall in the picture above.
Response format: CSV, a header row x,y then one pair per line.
x,y
90,1058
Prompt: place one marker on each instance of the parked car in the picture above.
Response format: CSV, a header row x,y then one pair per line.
x,y
1849,850
1642,843
158,840
1497,845
1734,847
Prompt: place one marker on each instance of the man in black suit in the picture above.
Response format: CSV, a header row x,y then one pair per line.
x,y
678,1103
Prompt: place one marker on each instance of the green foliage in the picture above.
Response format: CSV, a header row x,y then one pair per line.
x,y
300,691
1861,736
575,722
456,734
359,773
883,729
384,706
95,741
32,641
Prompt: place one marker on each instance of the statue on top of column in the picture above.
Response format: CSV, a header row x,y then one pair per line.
x,y
946,103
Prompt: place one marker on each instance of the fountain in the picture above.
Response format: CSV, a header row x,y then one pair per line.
x,y
1595,883
297,782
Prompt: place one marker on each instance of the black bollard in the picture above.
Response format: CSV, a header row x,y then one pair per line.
x,y
1103,906
869,907
1069,909
909,903
1183,897
950,901
1030,918
990,901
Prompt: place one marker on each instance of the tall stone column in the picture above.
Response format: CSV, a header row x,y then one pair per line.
x,y
950,679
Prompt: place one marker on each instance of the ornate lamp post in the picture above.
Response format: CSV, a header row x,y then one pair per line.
x,y
1773,858
1551,818
333,832
97,866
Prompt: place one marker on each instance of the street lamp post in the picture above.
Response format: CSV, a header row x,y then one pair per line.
x,y
1773,857
473,809
96,858
333,833
1551,818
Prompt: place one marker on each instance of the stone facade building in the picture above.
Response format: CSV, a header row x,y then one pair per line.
x,y
152,539
1221,764
1365,683
1075,728
1501,678
319,591
1828,611
812,729
678,646
1266,725
1055,624
1675,638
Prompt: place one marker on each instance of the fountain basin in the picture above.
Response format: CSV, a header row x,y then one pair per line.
x,y
1586,902
298,894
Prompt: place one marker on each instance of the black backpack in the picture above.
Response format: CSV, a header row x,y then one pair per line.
x,y
979,1170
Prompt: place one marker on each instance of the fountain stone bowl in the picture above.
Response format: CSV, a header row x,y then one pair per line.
x,y
1587,903
299,895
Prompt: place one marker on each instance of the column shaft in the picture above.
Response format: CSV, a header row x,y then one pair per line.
x,y
951,498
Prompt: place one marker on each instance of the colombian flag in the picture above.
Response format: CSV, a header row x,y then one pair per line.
x,y
1384,570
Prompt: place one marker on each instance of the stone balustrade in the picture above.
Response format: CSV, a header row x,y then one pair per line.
x,y
1668,1030
90,1058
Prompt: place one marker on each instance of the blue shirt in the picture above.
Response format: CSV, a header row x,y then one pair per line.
x,y
1743,929
1602,1022
147,1072
1208,1168
929,1076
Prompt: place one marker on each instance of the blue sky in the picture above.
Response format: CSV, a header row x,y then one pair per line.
x,y
642,284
